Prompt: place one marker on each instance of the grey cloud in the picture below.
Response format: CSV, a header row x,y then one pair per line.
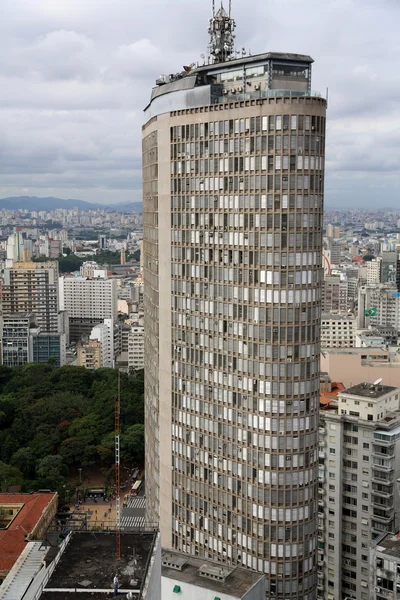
x,y
76,74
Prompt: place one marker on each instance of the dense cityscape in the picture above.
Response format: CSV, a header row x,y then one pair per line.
x,y
200,392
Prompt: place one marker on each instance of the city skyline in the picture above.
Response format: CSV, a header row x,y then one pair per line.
x,y
71,128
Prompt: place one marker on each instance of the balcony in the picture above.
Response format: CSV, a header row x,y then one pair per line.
x,y
387,506
383,518
268,94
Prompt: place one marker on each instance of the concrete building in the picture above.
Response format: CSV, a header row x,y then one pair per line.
x,y
378,304
23,517
136,348
391,268
31,287
15,246
385,568
350,365
233,171
58,573
24,342
88,302
337,330
359,464
88,269
89,355
194,579
15,334
104,333
374,271
335,294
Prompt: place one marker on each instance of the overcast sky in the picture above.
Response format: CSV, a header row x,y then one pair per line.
x,y
75,76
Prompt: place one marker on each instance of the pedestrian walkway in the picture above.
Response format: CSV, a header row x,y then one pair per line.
x,y
131,522
136,502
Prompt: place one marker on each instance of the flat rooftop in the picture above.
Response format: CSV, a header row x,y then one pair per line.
x,y
369,390
234,581
390,544
89,562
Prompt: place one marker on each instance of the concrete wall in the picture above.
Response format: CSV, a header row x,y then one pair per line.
x,y
349,370
152,585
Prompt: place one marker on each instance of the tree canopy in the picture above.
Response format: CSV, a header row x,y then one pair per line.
x,y
52,419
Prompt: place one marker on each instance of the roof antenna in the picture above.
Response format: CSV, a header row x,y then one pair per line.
x,y
222,34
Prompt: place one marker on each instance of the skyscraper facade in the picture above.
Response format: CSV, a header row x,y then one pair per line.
x,y
233,177
31,287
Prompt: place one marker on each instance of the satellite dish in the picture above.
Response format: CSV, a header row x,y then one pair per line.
x,y
378,381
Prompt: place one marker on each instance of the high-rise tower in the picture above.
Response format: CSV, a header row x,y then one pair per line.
x,y
233,177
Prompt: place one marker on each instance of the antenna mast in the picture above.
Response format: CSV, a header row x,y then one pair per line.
x,y
117,468
222,36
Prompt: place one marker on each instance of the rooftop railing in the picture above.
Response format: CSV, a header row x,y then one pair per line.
x,y
268,94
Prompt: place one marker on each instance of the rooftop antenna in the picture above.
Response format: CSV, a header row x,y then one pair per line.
x,y
117,468
222,36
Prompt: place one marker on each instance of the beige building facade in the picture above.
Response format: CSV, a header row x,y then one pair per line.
x,y
233,205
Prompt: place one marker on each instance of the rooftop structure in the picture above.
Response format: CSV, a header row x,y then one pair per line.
x,y
88,564
23,517
189,573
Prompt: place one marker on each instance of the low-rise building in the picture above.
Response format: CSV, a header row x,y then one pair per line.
x,y
89,355
23,518
192,578
350,365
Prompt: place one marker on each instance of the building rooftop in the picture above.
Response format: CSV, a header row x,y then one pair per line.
x,y
89,563
369,390
254,58
326,397
390,544
221,579
336,317
27,511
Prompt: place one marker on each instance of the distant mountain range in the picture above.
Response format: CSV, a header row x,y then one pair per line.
x,y
32,203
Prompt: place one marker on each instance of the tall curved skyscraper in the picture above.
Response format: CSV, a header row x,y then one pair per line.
x,y
233,179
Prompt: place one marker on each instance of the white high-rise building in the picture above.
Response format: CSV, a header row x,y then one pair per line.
x,y
104,333
136,347
374,270
88,302
233,179
359,467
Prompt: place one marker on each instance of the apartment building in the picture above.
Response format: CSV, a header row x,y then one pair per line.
x,y
378,304
385,568
335,294
104,333
88,301
337,330
136,348
24,342
359,464
89,355
374,271
31,287
233,176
